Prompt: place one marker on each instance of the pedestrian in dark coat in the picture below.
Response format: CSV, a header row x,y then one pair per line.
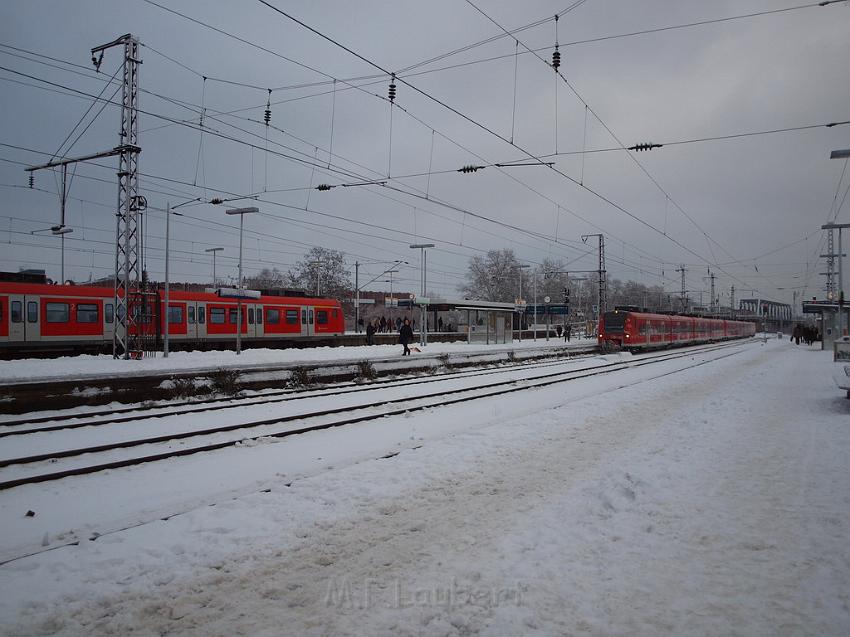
x,y
383,324
370,333
567,332
405,337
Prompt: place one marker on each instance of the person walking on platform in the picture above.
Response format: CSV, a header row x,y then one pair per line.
x,y
405,337
370,333
567,331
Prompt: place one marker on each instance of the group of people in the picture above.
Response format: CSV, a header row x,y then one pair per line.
x,y
567,331
806,333
385,325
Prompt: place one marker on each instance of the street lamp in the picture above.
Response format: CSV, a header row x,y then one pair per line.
x,y
391,272
839,154
60,231
168,212
213,250
318,265
521,267
423,314
241,212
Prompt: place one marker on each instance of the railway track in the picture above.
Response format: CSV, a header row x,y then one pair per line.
x,y
123,451
58,422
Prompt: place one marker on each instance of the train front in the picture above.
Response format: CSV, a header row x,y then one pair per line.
x,y
614,328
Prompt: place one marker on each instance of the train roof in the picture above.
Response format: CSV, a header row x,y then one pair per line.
x,y
43,289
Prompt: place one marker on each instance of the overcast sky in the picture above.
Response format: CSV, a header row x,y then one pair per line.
x,y
749,209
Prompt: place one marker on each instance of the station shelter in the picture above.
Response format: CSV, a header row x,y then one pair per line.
x,y
828,320
481,321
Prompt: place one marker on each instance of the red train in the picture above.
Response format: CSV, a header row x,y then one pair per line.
x,y
633,330
63,317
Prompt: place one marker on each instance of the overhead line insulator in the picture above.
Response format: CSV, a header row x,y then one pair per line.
x,y
391,92
470,169
645,146
324,187
556,59
267,116
32,180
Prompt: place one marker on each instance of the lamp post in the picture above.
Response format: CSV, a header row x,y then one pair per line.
x,y
241,212
521,267
318,265
391,272
168,212
839,154
423,314
60,231
213,250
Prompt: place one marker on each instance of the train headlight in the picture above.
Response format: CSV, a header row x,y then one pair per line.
x,y
627,335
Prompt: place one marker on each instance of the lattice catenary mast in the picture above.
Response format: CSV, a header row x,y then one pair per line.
x,y
127,253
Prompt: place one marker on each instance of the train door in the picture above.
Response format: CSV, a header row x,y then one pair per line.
x,y
17,327
191,320
108,320
33,319
201,321
307,318
249,316
258,320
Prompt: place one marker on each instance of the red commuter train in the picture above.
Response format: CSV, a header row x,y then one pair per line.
x,y
79,318
632,330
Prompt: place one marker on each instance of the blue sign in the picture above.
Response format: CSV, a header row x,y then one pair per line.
x,y
543,309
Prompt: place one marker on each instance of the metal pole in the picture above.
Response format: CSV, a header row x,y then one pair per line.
x,y
357,297
239,292
421,291
425,292
213,281
520,304
535,307
840,287
62,270
167,285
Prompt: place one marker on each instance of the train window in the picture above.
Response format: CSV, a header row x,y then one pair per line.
x,y
32,312
190,311
250,316
201,315
233,318
109,312
303,317
217,315
175,314
311,317
272,316
17,312
292,317
56,312
87,313
322,317
259,316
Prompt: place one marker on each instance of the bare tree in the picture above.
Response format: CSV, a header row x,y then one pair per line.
x,y
493,277
266,279
326,265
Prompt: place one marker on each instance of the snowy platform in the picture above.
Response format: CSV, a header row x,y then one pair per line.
x,y
708,500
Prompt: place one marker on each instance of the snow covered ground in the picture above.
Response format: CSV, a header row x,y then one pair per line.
x,y
710,501
69,367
